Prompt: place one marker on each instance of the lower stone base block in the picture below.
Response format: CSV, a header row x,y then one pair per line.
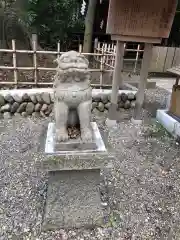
x,y
73,200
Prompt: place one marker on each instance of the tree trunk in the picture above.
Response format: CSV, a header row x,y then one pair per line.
x,y
89,26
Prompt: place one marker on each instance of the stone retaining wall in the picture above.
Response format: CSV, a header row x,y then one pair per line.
x,y
41,103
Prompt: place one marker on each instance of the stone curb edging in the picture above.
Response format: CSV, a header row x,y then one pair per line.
x,y
168,122
39,102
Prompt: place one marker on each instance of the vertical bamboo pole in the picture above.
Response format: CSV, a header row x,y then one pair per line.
x,y
14,62
99,45
143,81
58,49
34,45
99,50
117,76
80,48
157,59
95,44
109,57
96,51
101,67
112,47
137,58
114,57
105,51
111,50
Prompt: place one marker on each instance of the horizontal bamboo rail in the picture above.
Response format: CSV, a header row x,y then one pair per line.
x,y
45,69
49,52
35,68
104,56
47,84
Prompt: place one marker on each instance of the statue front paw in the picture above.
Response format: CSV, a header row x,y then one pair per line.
x,y
62,135
86,135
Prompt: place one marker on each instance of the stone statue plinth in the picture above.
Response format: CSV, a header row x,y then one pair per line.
x,y
73,198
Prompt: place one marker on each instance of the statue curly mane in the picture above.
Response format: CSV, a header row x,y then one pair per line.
x,y
72,67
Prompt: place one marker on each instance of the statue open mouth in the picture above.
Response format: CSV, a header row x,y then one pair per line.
x,y
71,70
72,66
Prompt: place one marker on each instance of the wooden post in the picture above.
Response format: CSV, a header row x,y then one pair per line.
x,y
143,80
117,76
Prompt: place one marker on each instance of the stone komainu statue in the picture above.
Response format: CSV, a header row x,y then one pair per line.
x,y
73,96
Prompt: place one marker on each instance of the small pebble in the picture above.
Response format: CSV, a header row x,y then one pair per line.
x,y
104,204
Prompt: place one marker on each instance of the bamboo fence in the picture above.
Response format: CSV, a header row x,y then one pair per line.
x,y
103,61
110,50
15,68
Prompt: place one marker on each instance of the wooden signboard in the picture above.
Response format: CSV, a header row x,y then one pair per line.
x,y
140,20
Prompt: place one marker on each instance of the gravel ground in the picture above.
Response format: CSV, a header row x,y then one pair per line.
x,y
141,190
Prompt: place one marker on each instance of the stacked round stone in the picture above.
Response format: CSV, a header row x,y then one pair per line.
x,y
36,105
41,104
102,103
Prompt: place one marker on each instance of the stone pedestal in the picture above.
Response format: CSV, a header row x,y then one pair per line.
x,y
73,198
